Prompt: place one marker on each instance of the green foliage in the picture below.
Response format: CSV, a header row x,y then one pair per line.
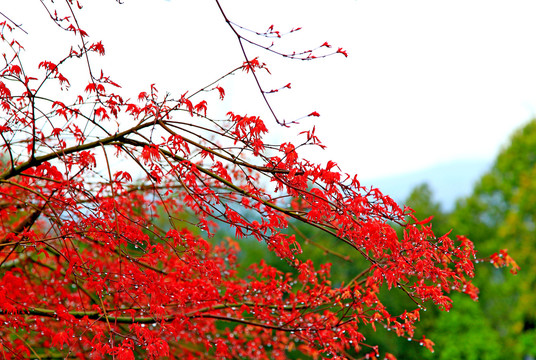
x,y
501,213
465,333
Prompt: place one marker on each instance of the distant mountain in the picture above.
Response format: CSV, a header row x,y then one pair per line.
x,y
448,181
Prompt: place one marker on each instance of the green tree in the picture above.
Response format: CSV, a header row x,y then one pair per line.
x,y
464,333
467,319
502,209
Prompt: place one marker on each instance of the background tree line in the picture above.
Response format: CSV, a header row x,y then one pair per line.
x,y
501,211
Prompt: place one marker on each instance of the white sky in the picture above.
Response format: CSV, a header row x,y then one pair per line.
x,y
425,82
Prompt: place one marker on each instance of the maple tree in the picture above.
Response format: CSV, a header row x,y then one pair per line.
x,y
88,272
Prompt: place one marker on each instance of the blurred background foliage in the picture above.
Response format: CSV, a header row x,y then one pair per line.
x,y
500,213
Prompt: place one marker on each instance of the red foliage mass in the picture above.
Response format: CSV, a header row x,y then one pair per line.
x,y
94,265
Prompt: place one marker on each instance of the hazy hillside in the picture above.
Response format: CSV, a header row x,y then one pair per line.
x,y
448,181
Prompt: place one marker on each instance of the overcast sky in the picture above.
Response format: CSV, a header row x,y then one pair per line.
x,y
425,82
